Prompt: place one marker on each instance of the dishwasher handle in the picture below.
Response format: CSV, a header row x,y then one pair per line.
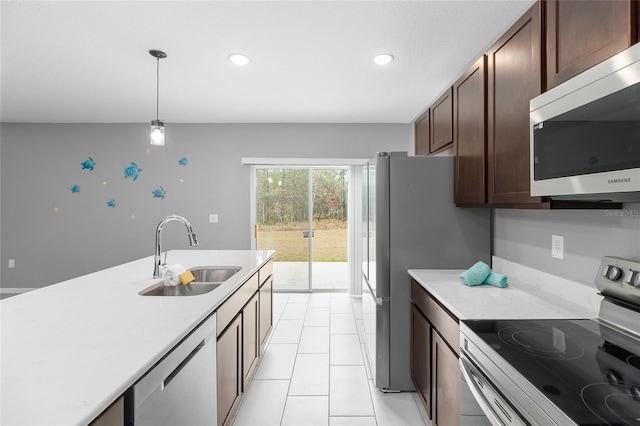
x,y
175,372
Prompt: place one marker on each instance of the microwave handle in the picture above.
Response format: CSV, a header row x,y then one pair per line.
x,y
479,396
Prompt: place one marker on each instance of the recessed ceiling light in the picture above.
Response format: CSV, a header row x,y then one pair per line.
x,y
239,59
383,59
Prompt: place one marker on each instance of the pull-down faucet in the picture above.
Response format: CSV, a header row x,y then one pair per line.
x,y
193,241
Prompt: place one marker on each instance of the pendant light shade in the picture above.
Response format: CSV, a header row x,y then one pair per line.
x,y
157,125
157,132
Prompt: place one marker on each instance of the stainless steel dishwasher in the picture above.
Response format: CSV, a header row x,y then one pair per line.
x,y
181,388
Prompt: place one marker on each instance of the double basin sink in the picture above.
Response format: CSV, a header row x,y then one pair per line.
x,y
206,279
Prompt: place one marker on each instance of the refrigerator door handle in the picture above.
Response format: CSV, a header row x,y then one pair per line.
x,y
376,299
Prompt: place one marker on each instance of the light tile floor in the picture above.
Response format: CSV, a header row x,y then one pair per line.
x,y
313,371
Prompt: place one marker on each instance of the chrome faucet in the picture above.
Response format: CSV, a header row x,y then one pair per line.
x,y
193,241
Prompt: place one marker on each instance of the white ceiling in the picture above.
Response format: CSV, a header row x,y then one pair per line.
x,y
311,61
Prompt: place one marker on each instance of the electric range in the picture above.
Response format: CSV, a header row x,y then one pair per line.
x,y
562,371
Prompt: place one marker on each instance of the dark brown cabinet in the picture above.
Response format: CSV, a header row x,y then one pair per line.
x,y
582,33
243,326
514,77
435,349
421,356
422,134
441,122
469,135
250,344
266,310
112,416
229,370
445,383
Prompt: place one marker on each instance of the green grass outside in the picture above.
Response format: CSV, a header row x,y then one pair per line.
x,y
329,245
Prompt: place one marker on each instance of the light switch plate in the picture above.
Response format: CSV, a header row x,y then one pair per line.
x,y
12,263
213,218
557,247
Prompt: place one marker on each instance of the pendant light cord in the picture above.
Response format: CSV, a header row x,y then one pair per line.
x,y
157,88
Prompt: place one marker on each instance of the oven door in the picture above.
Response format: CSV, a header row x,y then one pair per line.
x,y
498,411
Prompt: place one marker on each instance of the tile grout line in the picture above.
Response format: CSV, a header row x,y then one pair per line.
x,y
286,400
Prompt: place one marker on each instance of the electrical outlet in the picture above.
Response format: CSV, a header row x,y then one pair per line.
x,y
557,247
213,218
12,263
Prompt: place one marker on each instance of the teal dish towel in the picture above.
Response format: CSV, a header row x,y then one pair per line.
x,y
496,280
476,274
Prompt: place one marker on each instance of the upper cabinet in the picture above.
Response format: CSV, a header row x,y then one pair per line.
x,y
514,77
469,135
490,101
582,33
422,134
441,122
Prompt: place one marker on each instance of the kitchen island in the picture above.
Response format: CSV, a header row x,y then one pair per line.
x,y
71,349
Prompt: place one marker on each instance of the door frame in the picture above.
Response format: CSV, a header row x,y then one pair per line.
x,y
354,213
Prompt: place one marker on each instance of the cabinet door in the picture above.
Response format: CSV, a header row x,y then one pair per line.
x,y
421,357
469,135
229,359
112,416
445,383
514,77
442,121
581,34
422,134
250,346
266,310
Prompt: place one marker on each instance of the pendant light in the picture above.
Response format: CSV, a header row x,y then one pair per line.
x,y
157,125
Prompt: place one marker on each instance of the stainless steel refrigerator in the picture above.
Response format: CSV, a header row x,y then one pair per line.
x,y
410,221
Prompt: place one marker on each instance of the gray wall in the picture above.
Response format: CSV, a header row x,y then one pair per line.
x,y
524,237
41,163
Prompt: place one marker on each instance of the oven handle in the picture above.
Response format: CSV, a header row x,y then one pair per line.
x,y
477,394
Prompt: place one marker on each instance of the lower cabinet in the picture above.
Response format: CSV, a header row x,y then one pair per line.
x,y
112,416
250,345
420,356
244,324
435,347
445,383
266,311
229,369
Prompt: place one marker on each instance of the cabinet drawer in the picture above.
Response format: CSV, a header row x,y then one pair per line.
x,y
230,308
442,320
265,272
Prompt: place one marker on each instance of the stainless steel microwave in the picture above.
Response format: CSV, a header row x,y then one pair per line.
x,y
585,134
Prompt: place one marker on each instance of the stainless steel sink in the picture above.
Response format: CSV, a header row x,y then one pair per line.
x,y
214,274
207,279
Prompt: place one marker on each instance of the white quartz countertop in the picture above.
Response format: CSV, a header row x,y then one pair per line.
x,y
517,301
71,349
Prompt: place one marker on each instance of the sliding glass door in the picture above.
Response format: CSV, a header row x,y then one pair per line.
x,y
302,213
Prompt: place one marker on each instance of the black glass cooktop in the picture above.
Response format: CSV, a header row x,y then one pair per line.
x,y
589,371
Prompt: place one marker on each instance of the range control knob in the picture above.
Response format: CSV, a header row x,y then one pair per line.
x,y
612,272
633,278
